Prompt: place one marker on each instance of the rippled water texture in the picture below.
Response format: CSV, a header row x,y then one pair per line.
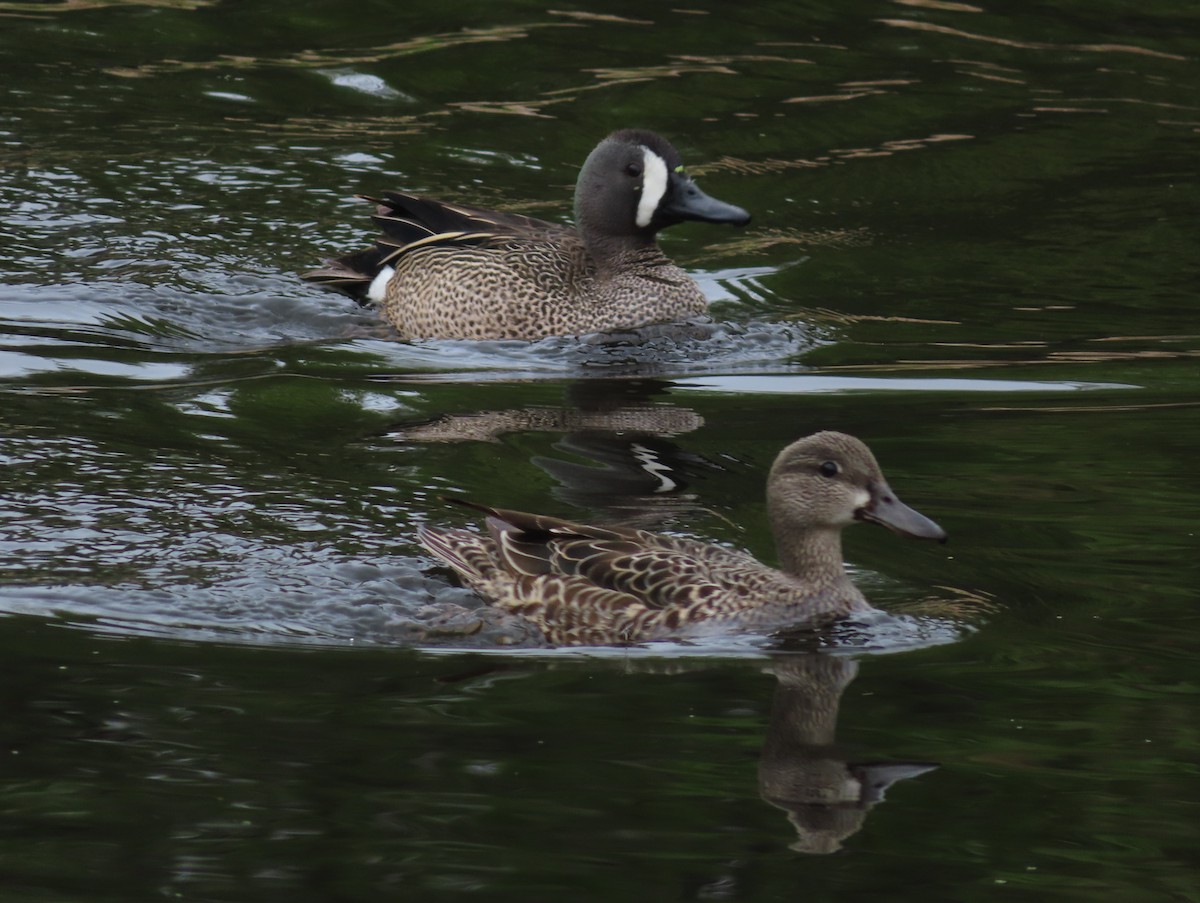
x,y
231,673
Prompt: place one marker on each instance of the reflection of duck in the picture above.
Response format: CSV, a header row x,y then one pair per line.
x,y
596,585
452,271
487,426
631,478
614,457
626,470
826,797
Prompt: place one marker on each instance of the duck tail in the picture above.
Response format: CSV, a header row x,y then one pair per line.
x,y
407,223
469,554
351,275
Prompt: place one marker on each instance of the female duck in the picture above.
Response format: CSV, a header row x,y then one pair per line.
x,y
604,585
457,272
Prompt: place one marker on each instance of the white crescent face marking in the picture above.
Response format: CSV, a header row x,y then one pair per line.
x,y
378,290
654,186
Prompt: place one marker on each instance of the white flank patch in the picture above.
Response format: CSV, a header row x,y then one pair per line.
x,y
378,290
654,186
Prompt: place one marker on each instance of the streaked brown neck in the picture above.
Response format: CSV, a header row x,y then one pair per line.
x,y
814,556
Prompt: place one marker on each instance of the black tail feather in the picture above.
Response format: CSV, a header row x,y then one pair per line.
x,y
351,275
407,220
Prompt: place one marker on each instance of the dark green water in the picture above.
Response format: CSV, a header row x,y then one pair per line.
x,y
229,674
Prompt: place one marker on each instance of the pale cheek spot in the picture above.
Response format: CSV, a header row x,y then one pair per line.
x,y
862,499
378,290
654,186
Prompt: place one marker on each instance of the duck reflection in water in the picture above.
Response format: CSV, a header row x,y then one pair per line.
x,y
826,794
825,790
617,455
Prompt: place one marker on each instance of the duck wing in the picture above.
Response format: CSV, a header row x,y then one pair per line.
x,y
654,570
518,543
574,611
408,222
568,610
405,218
600,585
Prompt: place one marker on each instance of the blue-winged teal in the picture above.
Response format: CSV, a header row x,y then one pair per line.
x,y
457,272
603,585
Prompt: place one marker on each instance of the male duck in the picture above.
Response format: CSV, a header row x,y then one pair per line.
x,y
604,585
452,271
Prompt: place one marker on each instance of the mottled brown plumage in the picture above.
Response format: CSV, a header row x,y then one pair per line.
x,y
602,585
454,271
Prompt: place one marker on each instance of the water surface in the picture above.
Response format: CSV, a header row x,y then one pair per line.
x,y
231,674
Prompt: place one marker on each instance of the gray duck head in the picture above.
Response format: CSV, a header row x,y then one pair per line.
x,y
633,184
825,482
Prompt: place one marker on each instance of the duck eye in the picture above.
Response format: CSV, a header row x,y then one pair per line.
x,y
634,169
830,469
